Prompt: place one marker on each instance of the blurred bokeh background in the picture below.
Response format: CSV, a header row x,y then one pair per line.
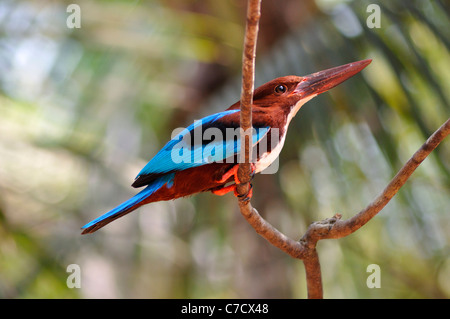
x,y
82,110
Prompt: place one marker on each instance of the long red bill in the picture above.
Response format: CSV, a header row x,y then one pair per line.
x,y
325,80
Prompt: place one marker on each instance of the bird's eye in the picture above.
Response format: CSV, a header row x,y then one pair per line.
x,y
280,89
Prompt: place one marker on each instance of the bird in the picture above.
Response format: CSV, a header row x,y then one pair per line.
x,y
205,156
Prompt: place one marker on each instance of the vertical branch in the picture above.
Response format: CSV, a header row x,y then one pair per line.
x,y
248,80
313,275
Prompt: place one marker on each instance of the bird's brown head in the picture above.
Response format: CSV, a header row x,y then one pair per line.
x,y
287,94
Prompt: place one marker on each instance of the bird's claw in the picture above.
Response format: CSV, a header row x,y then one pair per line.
x,y
226,189
245,197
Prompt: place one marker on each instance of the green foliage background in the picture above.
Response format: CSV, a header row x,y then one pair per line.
x,y
82,110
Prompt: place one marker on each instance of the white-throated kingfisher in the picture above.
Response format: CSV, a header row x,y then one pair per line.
x,y
192,163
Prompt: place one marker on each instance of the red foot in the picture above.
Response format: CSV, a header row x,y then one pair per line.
x,y
232,188
224,190
234,172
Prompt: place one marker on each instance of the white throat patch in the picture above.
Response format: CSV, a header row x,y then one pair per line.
x,y
296,108
268,158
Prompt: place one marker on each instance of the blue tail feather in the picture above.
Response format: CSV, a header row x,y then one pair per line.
x,y
128,205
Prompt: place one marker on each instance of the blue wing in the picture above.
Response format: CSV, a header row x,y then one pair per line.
x,y
205,141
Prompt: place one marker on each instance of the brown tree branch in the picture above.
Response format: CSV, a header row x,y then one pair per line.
x,y
313,274
342,228
248,80
305,248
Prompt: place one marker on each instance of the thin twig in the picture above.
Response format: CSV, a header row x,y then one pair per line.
x,y
342,228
